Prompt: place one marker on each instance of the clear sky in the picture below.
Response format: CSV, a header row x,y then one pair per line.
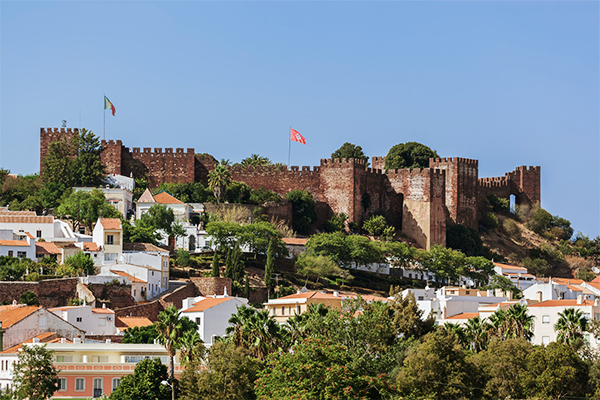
x,y
506,83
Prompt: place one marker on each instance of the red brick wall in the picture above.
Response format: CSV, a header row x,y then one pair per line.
x,y
118,296
210,285
167,166
148,310
112,156
51,292
176,297
49,135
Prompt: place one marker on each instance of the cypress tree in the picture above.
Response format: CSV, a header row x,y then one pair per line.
x,y
247,287
270,265
215,265
228,264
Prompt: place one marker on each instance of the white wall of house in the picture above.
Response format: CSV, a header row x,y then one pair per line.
x,y
27,249
92,321
214,321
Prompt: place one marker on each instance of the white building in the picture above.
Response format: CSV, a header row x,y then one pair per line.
x,y
517,275
93,321
108,234
561,289
23,247
39,227
211,314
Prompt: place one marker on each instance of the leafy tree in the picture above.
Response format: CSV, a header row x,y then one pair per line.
x,y
317,266
349,150
571,326
161,217
409,155
80,263
540,220
139,233
183,258
191,347
215,266
255,160
442,363
270,266
399,254
57,166
332,245
84,208
336,223
316,369
87,168
255,331
224,234
52,193
554,372
465,239
218,179
476,334
503,283
141,334
237,192
235,264
229,375
262,195
29,298
34,376
22,193
144,384
408,319
375,225
304,212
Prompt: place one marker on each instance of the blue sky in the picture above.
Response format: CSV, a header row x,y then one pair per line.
x,y
506,83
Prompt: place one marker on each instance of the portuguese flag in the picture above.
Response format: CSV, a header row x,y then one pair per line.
x,y
109,106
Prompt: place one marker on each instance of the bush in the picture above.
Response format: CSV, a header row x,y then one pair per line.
x,y
29,298
512,229
489,220
304,212
536,266
336,223
540,220
497,204
375,225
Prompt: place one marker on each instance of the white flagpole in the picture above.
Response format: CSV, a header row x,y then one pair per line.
x,y
104,115
290,150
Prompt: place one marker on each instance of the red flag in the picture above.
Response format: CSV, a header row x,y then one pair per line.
x,y
296,136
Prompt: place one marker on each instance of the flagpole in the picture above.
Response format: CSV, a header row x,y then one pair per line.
x,y
104,115
290,149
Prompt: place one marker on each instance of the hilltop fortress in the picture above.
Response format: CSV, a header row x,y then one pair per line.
x,y
419,201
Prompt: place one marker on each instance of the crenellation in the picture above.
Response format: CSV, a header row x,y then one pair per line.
x,y
157,150
179,150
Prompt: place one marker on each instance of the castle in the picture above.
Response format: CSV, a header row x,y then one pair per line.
x,y
419,201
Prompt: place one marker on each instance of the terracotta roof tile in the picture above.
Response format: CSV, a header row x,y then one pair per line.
x,y
465,315
563,303
142,247
29,235
146,197
126,275
166,198
15,314
90,246
25,219
111,223
205,304
18,213
570,281
508,266
295,241
130,322
20,243
99,310
46,248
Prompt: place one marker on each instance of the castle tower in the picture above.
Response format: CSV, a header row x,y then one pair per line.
x,y
48,135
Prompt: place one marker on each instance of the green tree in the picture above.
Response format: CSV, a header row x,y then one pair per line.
x,y
22,193
407,318
465,239
215,266
255,331
255,160
476,334
571,326
191,347
409,155
84,208
29,298
375,225
235,264
141,334
317,369
349,150
218,180
317,266
161,217
80,263
139,233
270,266
34,376
229,374
87,168
144,384
337,223
57,164
304,212
332,245
439,368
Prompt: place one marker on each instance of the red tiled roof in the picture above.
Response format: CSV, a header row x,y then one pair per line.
x,y
146,197
166,198
29,235
17,213
46,248
295,241
126,275
575,288
206,304
508,266
570,281
563,303
25,219
130,322
111,223
15,314
465,315
21,243
142,247
90,246
102,311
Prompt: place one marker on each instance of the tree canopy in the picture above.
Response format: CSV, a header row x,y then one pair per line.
x,y
349,150
409,155
84,208
145,383
304,212
34,375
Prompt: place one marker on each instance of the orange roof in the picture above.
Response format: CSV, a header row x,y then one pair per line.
x,y
46,248
517,275
146,197
47,337
575,288
465,315
8,212
330,295
111,223
562,303
126,275
25,219
142,247
29,235
295,241
596,279
569,281
205,304
102,311
166,198
20,243
15,314
90,246
508,266
130,322
594,284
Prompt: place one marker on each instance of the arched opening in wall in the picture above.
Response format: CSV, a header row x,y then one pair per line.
x,y
513,202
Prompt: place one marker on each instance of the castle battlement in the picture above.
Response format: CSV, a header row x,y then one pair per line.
x,y
454,160
343,162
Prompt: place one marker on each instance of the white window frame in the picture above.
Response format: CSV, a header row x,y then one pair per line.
x,y
77,381
545,319
110,239
115,383
101,380
62,387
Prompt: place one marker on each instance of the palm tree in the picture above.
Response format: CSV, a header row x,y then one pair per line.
x,y
256,331
218,179
520,324
239,326
191,347
571,325
255,160
170,327
476,334
498,324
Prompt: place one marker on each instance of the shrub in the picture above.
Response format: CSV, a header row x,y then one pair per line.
x,y
29,298
489,220
375,225
536,266
497,204
512,229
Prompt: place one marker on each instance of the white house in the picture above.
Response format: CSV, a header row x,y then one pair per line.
x,y
120,198
44,227
211,314
561,289
148,255
180,209
108,234
93,321
145,281
22,248
517,275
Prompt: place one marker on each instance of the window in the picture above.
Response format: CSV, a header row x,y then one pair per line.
x,y
282,310
597,316
82,230
64,358
274,311
38,233
62,384
468,292
110,256
545,340
10,253
79,319
42,321
198,320
115,383
80,384
21,254
299,310
110,239
420,298
545,319
101,321
98,387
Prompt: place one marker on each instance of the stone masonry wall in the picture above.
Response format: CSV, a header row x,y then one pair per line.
x,y
176,297
118,296
51,292
49,135
209,286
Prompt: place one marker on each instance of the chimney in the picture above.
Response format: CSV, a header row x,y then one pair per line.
x,y
539,296
107,341
336,294
63,340
579,299
103,305
490,293
597,302
36,340
499,293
